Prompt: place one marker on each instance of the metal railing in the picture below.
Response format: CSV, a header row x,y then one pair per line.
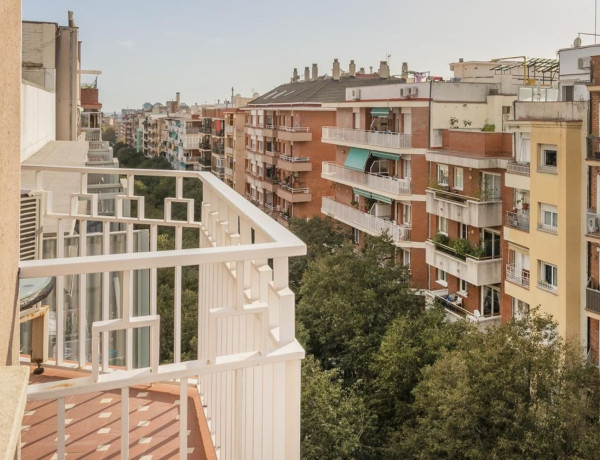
x,y
364,221
517,275
293,189
547,227
370,138
294,129
592,297
518,168
245,325
546,286
393,185
294,159
519,220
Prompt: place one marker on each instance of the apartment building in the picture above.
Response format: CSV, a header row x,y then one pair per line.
x,y
397,149
284,152
235,175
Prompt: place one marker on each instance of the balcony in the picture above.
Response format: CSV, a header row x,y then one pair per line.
x,y
245,329
464,209
592,297
518,220
368,139
522,169
593,149
294,164
294,133
390,186
517,275
592,227
454,309
365,222
478,271
294,194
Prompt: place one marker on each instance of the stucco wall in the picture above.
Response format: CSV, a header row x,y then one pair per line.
x,y
10,81
38,119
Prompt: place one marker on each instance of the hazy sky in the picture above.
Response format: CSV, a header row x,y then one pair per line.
x,y
147,50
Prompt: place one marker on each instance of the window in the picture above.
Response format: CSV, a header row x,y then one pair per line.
x,y
355,235
458,178
490,301
406,258
406,169
548,277
548,158
463,231
548,218
442,174
490,186
520,309
523,148
463,287
442,225
406,214
441,277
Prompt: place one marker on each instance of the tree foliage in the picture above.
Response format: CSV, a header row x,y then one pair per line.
x,y
515,391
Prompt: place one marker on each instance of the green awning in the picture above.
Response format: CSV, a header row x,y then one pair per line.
x,y
374,196
385,156
357,159
380,112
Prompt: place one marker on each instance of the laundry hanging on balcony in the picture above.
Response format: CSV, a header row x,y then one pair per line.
x,y
373,196
357,159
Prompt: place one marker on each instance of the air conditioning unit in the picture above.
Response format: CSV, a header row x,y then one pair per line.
x,y
583,63
355,94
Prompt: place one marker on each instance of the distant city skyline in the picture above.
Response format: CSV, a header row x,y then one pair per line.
x,y
148,53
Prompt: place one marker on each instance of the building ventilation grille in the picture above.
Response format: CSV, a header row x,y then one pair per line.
x,y
30,225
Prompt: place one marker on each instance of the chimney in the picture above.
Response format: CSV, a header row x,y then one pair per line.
x,y
295,75
352,68
336,72
306,74
362,70
370,69
405,70
384,70
315,72
461,59
71,21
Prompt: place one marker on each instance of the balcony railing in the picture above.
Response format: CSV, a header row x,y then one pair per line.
x,y
368,138
465,209
547,227
518,220
517,275
98,145
290,159
592,223
522,169
386,184
294,129
363,221
592,297
453,304
546,286
245,330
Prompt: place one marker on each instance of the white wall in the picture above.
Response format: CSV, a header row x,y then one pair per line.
x,y
38,119
383,91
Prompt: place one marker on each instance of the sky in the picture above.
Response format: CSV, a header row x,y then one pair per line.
x,y
147,50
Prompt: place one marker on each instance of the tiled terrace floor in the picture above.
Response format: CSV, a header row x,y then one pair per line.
x,y
93,423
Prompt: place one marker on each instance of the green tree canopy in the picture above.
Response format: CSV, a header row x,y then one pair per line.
x,y
515,391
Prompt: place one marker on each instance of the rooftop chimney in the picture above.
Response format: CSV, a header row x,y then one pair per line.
x,y
336,72
384,69
405,70
295,76
461,59
315,72
362,70
177,97
71,21
352,68
306,74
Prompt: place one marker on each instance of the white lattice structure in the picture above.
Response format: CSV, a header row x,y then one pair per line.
x,y
247,369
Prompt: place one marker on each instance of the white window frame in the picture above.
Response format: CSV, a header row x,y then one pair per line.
x,y
406,258
406,168
548,218
459,178
463,287
544,164
442,225
494,289
493,190
463,231
442,174
520,309
442,277
406,214
545,282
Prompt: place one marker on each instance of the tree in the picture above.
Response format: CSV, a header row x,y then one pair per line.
x,y
411,344
321,236
515,391
348,299
334,419
110,135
